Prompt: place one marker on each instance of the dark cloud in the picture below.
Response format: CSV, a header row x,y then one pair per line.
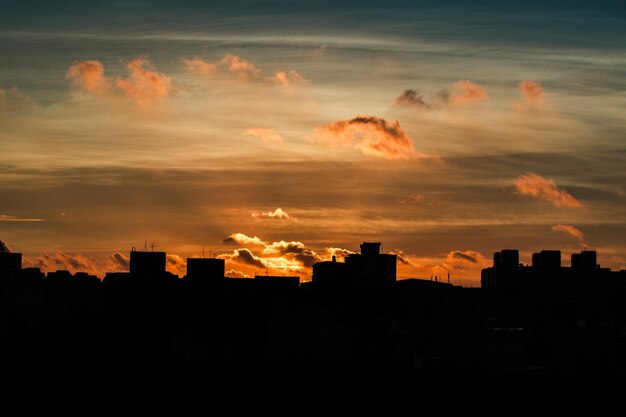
x,y
402,258
411,98
244,256
463,256
118,262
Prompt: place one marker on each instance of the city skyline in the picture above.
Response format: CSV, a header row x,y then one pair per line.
x,y
276,135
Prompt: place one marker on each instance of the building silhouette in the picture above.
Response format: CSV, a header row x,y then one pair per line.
x,y
352,318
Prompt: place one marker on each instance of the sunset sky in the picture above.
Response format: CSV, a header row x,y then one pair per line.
x,y
277,133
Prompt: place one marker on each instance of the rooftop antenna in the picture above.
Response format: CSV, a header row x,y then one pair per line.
x,y
152,246
448,277
203,252
145,245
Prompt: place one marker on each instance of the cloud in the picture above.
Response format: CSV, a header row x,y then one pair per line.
x,y
278,214
463,92
89,75
4,247
144,84
339,253
13,100
118,262
570,230
245,70
372,135
244,256
242,239
233,273
412,199
7,218
469,256
197,65
292,251
65,261
175,264
531,91
537,186
264,133
411,98
289,77
242,70
402,257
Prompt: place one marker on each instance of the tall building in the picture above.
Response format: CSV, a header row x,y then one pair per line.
x,y
211,269
547,259
10,261
586,260
147,264
330,273
370,266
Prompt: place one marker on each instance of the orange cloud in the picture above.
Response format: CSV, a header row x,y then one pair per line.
x,y
198,65
531,91
372,135
118,262
7,218
537,186
243,70
339,253
466,92
287,78
278,214
412,199
89,75
233,273
264,133
244,256
144,84
65,261
175,264
570,230
242,239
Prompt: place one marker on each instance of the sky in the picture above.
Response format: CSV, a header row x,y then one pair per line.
x,y
275,134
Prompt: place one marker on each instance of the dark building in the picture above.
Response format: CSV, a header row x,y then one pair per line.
x,y
330,273
10,260
211,269
147,263
547,259
277,282
371,266
586,260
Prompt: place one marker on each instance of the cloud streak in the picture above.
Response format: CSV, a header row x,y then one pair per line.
x,y
569,230
371,135
7,218
537,186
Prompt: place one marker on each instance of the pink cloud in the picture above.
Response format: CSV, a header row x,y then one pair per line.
x,y
546,189
264,133
144,84
371,135
465,91
531,91
197,65
568,229
89,75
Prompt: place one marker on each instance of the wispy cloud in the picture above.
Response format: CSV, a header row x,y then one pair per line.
x,y
7,218
371,135
241,69
264,133
242,239
569,230
537,186
278,214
